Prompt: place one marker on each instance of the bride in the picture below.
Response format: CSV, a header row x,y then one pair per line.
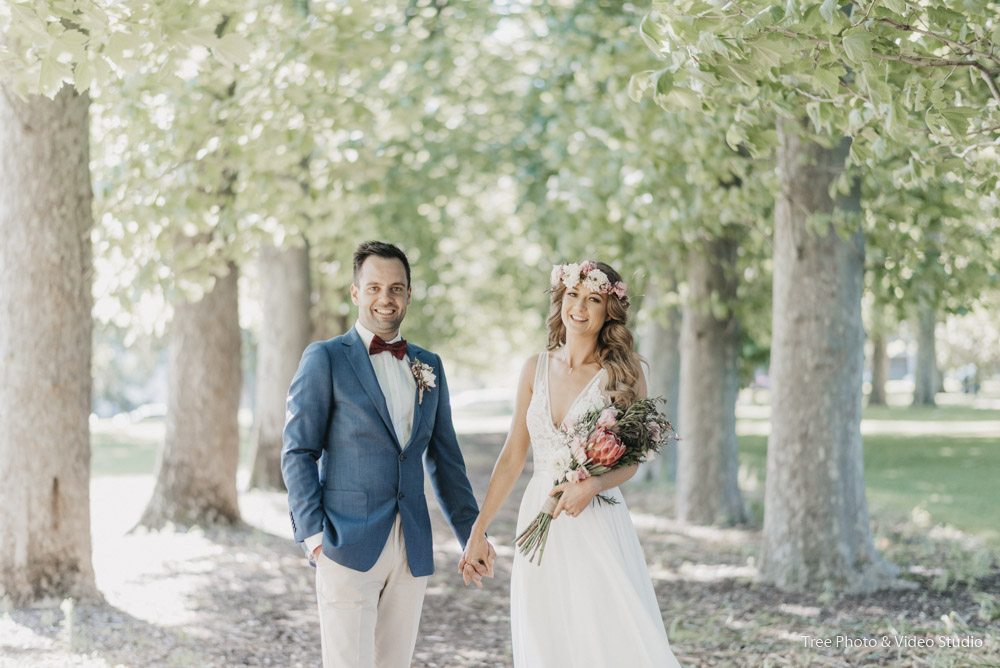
x,y
590,602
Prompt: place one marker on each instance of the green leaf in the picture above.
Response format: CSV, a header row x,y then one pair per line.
x,y
829,78
942,16
123,46
652,34
71,42
233,49
858,46
771,52
664,83
83,77
52,75
639,83
957,119
813,111
828,10
735,136
684,98
201,36
28,18
896,120
765,18
897,6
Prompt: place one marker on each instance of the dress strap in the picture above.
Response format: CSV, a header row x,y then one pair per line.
x,y
541,372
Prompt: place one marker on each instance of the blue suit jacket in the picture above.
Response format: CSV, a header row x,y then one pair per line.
x,y
337,417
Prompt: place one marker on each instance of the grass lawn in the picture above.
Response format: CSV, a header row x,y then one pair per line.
x,y
930,413
951,478
124,449
130,449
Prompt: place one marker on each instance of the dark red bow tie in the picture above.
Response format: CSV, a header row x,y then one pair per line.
x,y
378,345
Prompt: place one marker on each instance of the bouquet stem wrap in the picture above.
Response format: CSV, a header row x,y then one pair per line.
x,y
532,540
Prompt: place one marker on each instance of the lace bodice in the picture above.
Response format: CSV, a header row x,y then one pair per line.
x,y
548,444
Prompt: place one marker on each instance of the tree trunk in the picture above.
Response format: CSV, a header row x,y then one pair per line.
x,y
659,344
708,454
816,528
196,468
45,332
926,382
880,370
285,332
328,323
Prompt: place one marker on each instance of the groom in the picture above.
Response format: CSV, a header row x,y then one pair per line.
x,y
363,408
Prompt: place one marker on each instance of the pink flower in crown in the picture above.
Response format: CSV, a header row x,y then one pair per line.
x,y
557,274
605,448
587,267
607,418
619,289
578,474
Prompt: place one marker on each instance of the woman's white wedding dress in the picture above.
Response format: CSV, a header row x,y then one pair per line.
x,y
590,603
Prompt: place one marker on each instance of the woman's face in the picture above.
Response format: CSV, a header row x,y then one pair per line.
x,y
584,312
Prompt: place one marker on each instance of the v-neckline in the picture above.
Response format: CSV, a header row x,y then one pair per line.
x,y
548,392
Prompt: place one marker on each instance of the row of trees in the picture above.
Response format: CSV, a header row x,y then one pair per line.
x,y
487,140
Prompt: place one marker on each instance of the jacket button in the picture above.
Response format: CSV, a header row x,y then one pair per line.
x,y
402,456
400,495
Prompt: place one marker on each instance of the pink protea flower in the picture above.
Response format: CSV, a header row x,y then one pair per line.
x,y
608,418
578,474
605,448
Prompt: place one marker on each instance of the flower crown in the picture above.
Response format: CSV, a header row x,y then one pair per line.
x,y
590,276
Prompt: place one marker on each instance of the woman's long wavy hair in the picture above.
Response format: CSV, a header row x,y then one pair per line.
x,y
614,343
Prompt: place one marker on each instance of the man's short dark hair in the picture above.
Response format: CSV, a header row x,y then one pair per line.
x,y
380,249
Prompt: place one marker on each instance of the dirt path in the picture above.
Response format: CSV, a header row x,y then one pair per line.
x,y
245,598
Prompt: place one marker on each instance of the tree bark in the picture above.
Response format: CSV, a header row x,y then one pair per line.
x,y
708,454
285,332
880,370
196,467
659,344
45,347
816,528
925,380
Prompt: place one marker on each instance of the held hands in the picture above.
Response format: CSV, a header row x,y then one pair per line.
x,y
576,496
477,560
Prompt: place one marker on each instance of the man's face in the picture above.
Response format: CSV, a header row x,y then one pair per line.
x,y
381,295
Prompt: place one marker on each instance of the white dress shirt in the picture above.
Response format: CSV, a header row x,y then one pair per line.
x,y
399,388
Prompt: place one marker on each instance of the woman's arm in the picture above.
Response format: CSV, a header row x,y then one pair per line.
x,y
508,468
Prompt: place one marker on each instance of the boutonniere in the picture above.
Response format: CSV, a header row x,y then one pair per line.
x,y
424,375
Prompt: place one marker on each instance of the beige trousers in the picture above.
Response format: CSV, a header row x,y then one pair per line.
x,y
370,619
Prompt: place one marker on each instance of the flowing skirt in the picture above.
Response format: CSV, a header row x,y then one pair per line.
x,y
590,604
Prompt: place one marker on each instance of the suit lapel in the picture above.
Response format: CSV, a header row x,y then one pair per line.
x,y
420,355
358,357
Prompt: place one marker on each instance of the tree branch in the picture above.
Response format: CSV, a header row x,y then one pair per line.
x,y
968,50
865,17
988,78
992,128
931,62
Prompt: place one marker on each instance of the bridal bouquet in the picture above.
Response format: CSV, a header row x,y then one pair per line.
x,y
604,439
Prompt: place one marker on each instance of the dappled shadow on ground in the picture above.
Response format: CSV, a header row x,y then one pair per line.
x,y
245,597
217,598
